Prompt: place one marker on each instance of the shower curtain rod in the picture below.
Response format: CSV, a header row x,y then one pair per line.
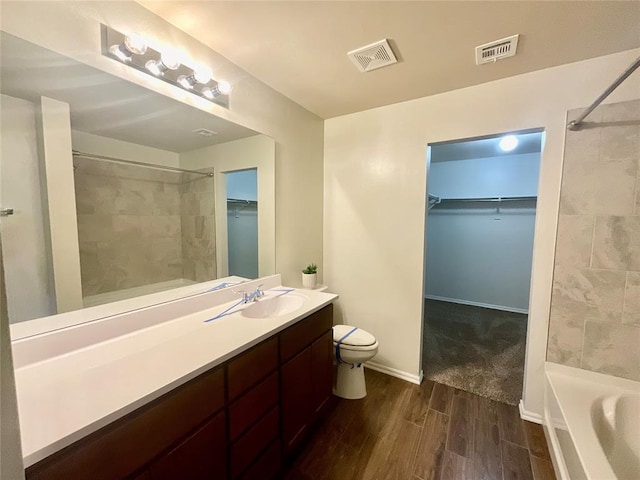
x,y
577,123
76,153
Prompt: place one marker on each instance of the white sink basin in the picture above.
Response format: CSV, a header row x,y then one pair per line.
x,y
274,306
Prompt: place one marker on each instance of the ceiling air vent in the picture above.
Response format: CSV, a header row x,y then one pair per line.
x,y
371,57
492,51
204,132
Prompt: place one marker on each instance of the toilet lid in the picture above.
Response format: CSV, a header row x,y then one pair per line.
x,y
359,338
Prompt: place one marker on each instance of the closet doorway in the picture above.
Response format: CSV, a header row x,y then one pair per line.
x,y
480,222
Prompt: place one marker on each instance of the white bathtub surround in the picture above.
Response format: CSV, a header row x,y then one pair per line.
x,y
592,424
89,375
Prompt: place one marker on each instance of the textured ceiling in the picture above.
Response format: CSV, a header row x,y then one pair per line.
x,y
299,48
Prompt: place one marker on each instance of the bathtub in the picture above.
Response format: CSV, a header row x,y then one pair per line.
x,y
592,422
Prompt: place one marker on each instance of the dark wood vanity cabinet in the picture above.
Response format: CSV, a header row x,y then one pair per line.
x,y
235,421
306,353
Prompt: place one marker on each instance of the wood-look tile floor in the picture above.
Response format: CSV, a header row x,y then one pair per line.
x,y
429,432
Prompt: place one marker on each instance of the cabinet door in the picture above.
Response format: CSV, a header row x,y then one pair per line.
x,y
297,394
322,371
200,456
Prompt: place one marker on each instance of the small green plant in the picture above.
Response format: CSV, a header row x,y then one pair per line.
x,y
310,269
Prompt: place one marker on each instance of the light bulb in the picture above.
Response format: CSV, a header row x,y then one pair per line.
x,y
170,59
121,52
224,87
154,67
202,75
209,93
185,82
135,44
508,143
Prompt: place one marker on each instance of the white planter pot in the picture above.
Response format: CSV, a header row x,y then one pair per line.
x,y
309,280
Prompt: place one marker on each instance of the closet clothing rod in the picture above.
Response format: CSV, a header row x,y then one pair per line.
x,y
488,199
244,202
577,123
76,153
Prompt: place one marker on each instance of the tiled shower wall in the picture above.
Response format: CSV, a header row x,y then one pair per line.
x,y
595,306
198,227
134,223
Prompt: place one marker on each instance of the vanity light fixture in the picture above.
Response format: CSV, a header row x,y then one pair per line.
x,y
166,65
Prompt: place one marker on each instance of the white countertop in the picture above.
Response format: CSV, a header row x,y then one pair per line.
x,y
65,397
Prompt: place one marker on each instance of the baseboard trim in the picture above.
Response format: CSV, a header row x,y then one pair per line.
x,y
417,379
478,304
529,416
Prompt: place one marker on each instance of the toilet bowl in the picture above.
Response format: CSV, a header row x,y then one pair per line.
x,y
352,346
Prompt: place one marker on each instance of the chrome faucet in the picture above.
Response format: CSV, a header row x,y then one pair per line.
x,y
253,296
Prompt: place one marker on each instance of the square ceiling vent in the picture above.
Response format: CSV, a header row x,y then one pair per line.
x,y
494,51
372,57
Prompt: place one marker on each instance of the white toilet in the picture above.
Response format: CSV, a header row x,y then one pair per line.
x,y
352,346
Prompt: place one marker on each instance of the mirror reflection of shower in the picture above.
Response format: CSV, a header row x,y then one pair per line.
x,y
242,222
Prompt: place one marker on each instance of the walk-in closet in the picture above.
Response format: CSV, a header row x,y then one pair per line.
x,y
481,211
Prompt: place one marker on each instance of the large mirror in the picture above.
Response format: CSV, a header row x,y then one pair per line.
x,y
121,197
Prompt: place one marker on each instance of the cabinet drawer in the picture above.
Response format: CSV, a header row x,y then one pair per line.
x,y
251,367
267,466
119,449
247,448
200,456
302,334
252,405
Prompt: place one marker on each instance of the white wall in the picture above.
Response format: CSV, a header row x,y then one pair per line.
x,y
375,190
53,123
242,185
73,29
27,269
503,176
480,253
480,257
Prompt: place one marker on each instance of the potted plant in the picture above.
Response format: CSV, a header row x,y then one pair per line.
x,y
310,276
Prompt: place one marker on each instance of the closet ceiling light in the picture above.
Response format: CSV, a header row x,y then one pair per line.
x,y
508,143
165,64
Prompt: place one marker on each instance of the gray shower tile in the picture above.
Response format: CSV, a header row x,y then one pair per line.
x,y
93,228
602,289
573,245
636,210
631,311
612,349
565,339
621,111
127,228
620,143
166,203
161,226
583,145
599,188
616,243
